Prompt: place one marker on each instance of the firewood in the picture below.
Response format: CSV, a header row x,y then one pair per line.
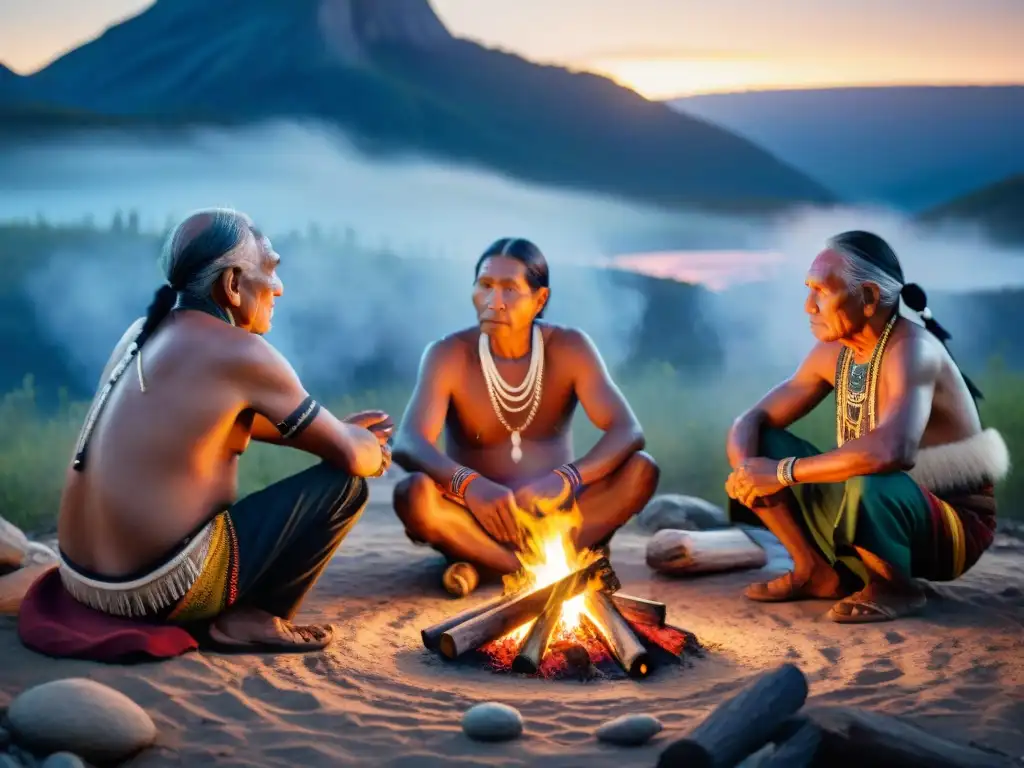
x,y
742,724
431,636
617,635
536,643
796,747
861,737
522,608
639,610
687,552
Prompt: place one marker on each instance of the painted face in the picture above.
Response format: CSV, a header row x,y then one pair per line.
x,y
258,286
503,299
835,312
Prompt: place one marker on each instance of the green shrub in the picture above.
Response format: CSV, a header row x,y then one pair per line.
x,y
685,424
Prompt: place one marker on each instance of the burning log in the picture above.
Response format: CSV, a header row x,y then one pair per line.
x,y
432,635
507,616
639,610
617,635
743,724
536,643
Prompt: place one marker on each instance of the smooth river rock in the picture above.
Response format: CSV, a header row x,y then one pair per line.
x,y
492,722
80,716
681,513
630,730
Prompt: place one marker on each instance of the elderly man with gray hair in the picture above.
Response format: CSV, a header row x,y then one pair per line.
x,y
908,491
150,529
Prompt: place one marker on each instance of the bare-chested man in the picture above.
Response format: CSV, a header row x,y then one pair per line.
x,y
909,491
149,524
504,392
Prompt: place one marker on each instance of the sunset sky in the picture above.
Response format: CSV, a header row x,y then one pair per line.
x,y
664,48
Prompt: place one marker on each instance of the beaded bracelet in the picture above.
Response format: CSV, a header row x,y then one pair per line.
x,y
572,476
460,481
784,472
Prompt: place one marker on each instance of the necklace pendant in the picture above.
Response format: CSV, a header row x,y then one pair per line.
x,y
517,452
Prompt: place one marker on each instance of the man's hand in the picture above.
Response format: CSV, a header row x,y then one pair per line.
x,y
754,479
541,496
377,422
494,507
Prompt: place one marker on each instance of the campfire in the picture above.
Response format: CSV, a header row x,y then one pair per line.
x,y
562,613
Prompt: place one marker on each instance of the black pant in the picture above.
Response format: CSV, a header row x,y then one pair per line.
x,y
288,532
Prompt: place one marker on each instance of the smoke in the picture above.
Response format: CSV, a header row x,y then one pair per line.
x,y
340,313
764,324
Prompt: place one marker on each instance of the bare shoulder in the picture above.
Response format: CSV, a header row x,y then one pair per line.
x,y
915,349
570,341
450,353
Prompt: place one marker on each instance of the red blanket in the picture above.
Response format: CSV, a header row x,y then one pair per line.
x,y
53,623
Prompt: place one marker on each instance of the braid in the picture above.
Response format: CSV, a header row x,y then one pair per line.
x,y
159,308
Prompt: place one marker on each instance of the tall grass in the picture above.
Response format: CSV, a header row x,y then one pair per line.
x,y
685,424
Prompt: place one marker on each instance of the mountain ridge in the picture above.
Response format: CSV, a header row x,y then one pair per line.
x,y
389,72
931,143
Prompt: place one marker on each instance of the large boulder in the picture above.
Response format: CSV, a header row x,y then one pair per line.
x,y
681,513
82,717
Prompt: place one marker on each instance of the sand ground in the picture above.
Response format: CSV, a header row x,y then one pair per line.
x,y
378,698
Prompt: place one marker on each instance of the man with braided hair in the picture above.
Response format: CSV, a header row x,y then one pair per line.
x,y
908,492
150,528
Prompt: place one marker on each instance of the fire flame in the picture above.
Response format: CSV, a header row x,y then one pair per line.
x,y
548,554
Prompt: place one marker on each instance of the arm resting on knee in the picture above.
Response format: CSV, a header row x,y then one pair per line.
x,y
607,409
416,439
785,404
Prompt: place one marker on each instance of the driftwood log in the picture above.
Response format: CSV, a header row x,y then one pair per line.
x,y
615,631
640,610
687,552
859,737
796,745
432,635
741,725
522,608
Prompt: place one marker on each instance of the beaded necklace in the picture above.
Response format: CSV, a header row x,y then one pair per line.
x,y
856,386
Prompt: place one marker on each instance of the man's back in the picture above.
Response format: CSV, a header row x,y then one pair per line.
x,y
163,460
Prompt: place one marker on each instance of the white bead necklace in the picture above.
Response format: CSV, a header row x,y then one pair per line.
x,y
515,399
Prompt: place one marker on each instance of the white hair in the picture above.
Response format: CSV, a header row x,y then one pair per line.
x,y
220,244
856,272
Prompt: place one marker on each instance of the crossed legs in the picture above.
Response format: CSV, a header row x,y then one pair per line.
x,y
433,518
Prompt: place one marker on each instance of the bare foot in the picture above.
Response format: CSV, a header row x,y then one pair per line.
x,y
879,601
259,630
821,585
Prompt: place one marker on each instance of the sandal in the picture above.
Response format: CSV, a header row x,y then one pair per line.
x,y
784,590
293,638
876,604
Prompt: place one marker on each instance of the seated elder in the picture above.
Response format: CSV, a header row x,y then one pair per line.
x,y
504,392
149,525
908,493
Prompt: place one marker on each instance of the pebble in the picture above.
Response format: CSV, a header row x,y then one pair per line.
x,y
630,730
681,513
492,722
80,716
63,760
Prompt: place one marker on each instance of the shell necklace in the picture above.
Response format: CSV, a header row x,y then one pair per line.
x,y
515,399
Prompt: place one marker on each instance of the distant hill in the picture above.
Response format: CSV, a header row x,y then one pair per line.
x,y
389,73
10,85
908,147
998,208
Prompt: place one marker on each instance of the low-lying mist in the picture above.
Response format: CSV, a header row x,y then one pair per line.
x,y
339,312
